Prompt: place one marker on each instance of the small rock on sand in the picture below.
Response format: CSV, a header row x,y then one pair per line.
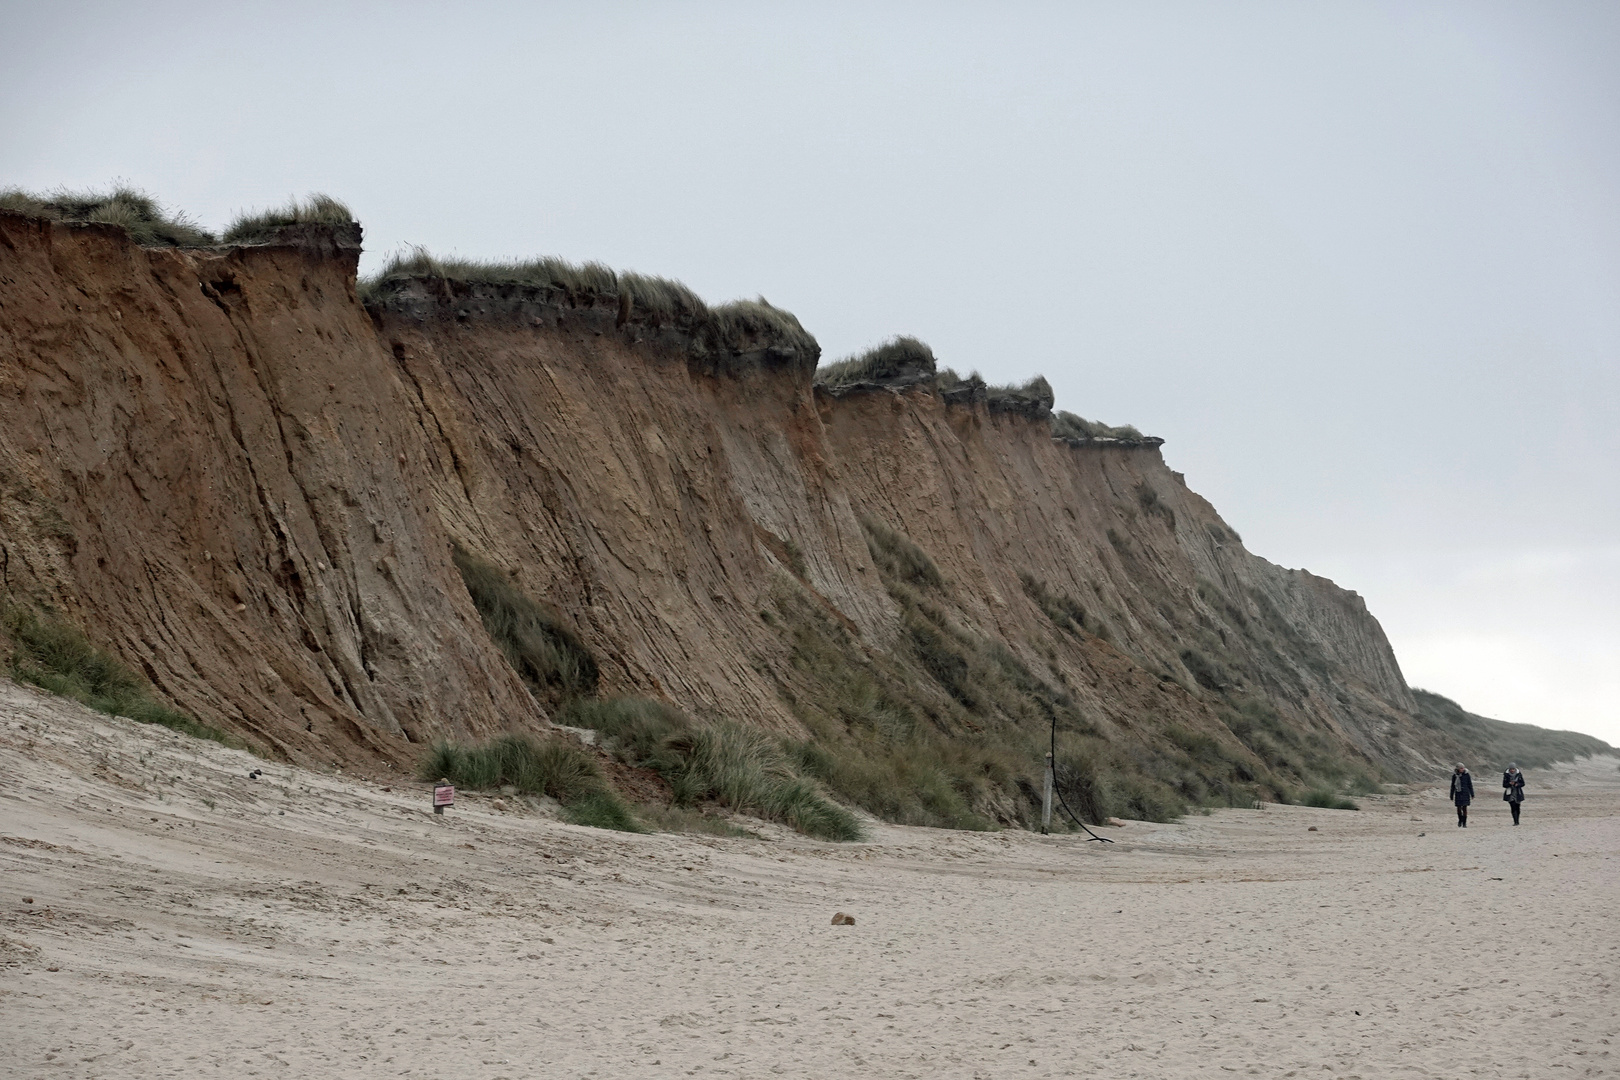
x,y
840,919
1311,829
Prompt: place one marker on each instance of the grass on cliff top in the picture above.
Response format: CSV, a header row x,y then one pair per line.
x,y
318,209
660,295
546,653
1033,398
739,767
897,358
133,210
738,325
1066,425
55,655
554,767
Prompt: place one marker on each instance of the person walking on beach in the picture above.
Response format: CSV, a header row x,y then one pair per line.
x,y
1513,790
1462,793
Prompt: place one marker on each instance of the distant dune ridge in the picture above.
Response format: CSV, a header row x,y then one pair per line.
x,y
246,476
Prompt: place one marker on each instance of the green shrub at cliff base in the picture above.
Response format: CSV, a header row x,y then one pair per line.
x,y
546,654
738,767
255,227
137,213
55,655
553,767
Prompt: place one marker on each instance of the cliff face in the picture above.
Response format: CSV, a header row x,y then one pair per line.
x,y
203,463
236,477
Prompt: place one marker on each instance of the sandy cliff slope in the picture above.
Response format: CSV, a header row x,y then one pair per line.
x,y
247,484
202,462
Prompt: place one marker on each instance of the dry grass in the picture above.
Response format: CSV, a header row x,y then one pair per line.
x,y
137,213
260,226
1033,398
898,360
1066,425
658,295
718,332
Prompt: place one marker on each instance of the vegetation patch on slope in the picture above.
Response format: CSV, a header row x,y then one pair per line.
x,y
725,763
739,767
951,728
137,213
55,655
545,652
564,771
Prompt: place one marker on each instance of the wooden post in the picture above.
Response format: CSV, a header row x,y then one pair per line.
x,y
1046,800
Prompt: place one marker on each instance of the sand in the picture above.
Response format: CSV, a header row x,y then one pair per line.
x,y
188,921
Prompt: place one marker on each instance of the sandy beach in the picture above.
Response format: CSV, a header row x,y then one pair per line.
x,y
162,915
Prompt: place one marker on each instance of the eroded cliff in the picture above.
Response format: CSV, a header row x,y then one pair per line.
x,y
238,477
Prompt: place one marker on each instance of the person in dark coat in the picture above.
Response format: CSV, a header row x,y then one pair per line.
x,y
1513,790
1462,793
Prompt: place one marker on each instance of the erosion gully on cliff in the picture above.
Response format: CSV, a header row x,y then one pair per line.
x,y
251,483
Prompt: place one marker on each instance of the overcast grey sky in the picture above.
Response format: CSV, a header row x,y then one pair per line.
x,y
1359,263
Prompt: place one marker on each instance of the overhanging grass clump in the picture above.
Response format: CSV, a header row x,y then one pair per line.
x,y
1033,398
565,772
660,295
546,654
899,360
1066,425
55,655
742,768
257,227
137,213
738,326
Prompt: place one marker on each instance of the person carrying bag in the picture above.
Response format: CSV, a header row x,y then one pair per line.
x,y
1513,790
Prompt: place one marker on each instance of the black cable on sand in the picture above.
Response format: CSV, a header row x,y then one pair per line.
x,y
1052,764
